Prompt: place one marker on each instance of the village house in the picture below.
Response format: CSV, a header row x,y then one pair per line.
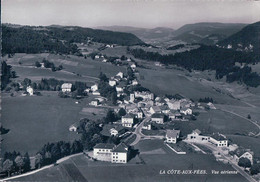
x,y
196,136
66,87
29,89
140,114
133,67
102,151
94,102
127,120
120,87
73,127
158,118
186,111
134,82
164,109
172,136
219,140
147,126
96,93
117,130
120,74
132,97
185,103
94,88
144,95
97,56
174,104
120,153
175,115
155,109
112,82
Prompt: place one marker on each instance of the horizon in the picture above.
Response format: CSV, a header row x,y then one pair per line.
x,y
92,14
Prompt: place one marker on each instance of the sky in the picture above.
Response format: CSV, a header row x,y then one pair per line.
x,y
137,13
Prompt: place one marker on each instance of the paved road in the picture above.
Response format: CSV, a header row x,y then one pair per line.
x,y
233,163
138,131
231,112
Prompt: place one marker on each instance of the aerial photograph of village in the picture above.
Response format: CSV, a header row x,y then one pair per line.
x,y
130,91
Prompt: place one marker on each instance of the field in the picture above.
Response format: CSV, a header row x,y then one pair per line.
x,y
150,171
36,120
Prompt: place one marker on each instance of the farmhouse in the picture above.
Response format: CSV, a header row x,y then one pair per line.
x,y
120,153
29,89
117,130
155,109
172,136
147,126
102,151
66,87
133,66
127,120
94,88
164,109
186,111
112,82
196,136
73,127
134,82
158,118
219,140
174,114
94,102
120,74
174,104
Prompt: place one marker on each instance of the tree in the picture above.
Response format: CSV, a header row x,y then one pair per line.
x,y
103,77
121,112
8,166
110,117
38,160
19,163
27,163
114,98
248,116
255,169
37,64
244,162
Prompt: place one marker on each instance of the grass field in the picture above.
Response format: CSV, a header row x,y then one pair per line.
x,y
150,171
217,121
36,120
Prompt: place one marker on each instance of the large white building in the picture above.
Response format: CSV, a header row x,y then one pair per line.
x,y
158,118
219,140
120,153
66,87
144,95
127,120
172,136
102,151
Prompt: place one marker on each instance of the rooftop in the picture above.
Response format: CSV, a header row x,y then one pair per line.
x,y
172,133
104,146
197,131
122,147
128,116
218,136
66,85
158,115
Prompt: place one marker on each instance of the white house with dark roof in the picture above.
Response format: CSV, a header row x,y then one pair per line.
x,y
127,120
102,151
147,126
158,118
186,111
66,87
172,136
117,130
120,153
219,140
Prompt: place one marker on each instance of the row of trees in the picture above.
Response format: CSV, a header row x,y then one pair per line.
x,y
206,100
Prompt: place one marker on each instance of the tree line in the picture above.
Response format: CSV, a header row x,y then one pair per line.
x,y
209,58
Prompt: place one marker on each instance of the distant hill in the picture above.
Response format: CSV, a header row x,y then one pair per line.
x,y
142,33
60,39
207,33
247,39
